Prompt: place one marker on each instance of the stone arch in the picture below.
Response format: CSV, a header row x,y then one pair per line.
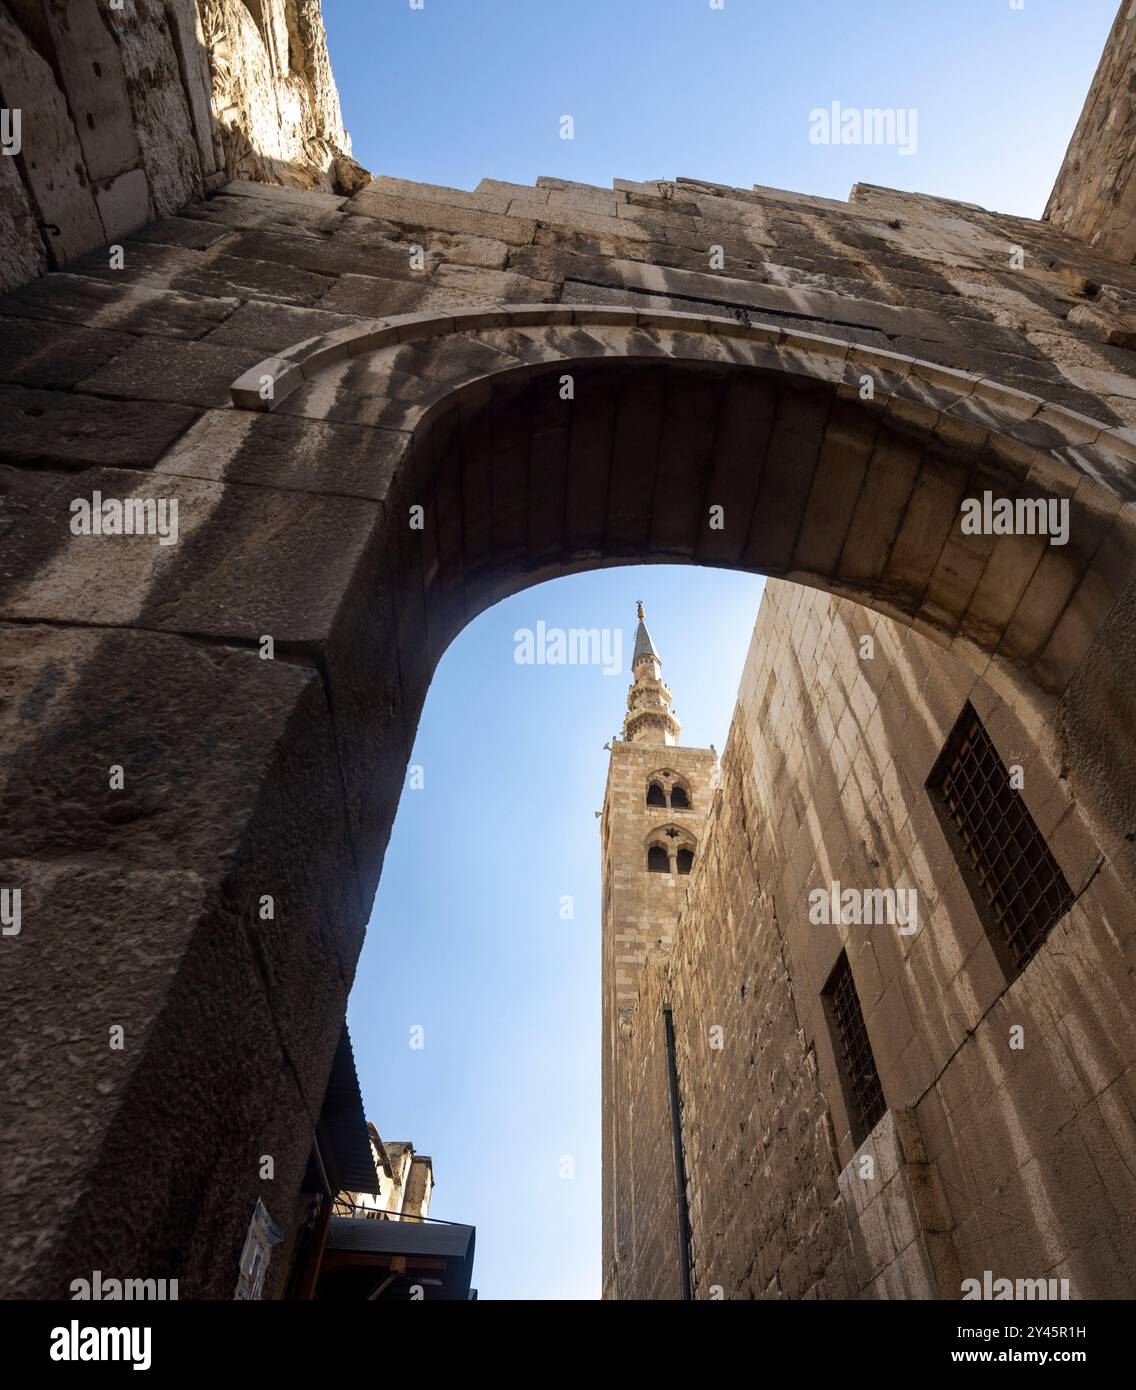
x,y
669,782
836,465
846,464
671,839
280,778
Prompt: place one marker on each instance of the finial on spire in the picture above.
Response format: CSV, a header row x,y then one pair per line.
x,y
639,608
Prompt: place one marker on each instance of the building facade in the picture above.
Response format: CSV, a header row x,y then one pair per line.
x,y
405,1183
899,986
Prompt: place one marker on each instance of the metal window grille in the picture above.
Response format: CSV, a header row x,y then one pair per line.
x,y
1016,882
857,1063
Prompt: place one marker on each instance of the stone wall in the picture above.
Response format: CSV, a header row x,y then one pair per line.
x,y
991,1157
274,96
130,113
1095,193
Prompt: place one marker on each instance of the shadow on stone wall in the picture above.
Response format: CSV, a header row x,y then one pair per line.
x,y
124,116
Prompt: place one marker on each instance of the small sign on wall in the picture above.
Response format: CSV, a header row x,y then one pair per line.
x,y
263,1234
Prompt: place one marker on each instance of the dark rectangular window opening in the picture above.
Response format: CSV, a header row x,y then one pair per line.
x,y
1017,885
863,1093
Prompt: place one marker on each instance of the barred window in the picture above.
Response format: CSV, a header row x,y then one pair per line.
x,y
1016,883
861,1081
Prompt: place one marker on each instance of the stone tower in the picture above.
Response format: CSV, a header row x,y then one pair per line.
x,y
654,811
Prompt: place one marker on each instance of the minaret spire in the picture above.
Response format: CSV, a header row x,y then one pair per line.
x,y
649,716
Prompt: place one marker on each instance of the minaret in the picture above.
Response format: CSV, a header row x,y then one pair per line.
x,y
655,805
649,715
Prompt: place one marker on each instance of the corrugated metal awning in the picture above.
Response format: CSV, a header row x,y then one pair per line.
x,y
344,1144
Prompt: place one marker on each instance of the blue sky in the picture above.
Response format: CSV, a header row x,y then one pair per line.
x,y
466,938
467,89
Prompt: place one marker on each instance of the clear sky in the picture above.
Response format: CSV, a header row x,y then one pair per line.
x,y
467,89
467,939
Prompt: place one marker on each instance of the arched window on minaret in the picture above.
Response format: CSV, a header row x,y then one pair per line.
x,y
670,850
658,860
666,788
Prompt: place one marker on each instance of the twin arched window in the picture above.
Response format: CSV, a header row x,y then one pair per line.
x,y
665,789
670,851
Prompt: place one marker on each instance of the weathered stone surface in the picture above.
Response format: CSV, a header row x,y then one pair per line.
x,y
412,212
313,199
1093,197
270,545
434,193
189,42
376,296
1111,317
123,204
283,452
182,942
261,324
211,273
330,257
194,233
170,370
36,353
51,155
93,78
77,299
152,97
227,210
274,96
159,106
22,254
61,428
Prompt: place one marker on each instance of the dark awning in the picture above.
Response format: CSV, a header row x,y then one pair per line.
x,y
438,1239
344,1144
369,1258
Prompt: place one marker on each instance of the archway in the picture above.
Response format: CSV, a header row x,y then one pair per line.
x,y
838,467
